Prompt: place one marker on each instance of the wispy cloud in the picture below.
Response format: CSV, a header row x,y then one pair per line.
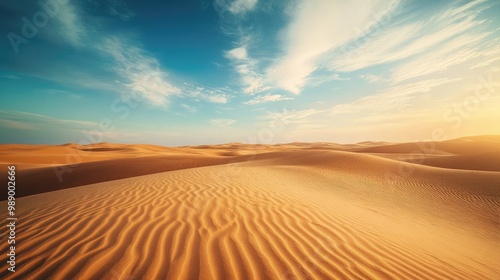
x,y
488,62
62,93
29,120
12,124
450,33
237,7
9,76
371,78
239,53
364,64
188,108
251,79
70,25
267,98
490,53
120,9
313,32
393,98
294,116
318,79
458,50
242,6
337,77
202,93
141,72
223,123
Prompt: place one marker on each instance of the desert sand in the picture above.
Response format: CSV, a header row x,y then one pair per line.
x,y
372,210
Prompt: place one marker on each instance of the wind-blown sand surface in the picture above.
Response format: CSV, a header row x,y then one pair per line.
x,y
234,211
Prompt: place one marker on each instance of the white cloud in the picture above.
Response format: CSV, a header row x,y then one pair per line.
x,y
142,72
457,13
486,62
372,79
396,44
188,108
294,116
222,123
387,47
239,53
234,8
267,98
139,72
242,6
71,27
218,98
316,27
337,77
394,98
408,40
489,54
254,84
212,95
316,80
246,67
461,49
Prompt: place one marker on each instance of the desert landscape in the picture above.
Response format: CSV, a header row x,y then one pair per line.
x,y
249,139
240,211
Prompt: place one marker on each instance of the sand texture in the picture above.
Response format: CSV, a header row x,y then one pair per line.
x,y
292,211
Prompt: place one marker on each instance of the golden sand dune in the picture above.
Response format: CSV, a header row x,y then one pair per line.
x,y
40,180
282,213
29,156
465,145
484,161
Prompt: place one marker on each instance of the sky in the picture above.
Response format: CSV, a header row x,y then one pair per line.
x,y
251,71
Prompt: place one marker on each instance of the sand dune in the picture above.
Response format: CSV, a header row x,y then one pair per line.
x,y
240,212
484,161
65,176
28,156
465,145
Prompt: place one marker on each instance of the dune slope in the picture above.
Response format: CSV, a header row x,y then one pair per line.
x,y
46,179
284,215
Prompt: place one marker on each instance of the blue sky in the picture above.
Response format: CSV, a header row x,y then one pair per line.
x,y
202,72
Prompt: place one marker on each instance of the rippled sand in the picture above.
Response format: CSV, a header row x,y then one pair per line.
x,y
296,211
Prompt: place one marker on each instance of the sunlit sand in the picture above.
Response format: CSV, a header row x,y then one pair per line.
x,y
235,211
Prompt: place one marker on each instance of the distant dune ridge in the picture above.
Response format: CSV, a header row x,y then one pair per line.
x,y
371,210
